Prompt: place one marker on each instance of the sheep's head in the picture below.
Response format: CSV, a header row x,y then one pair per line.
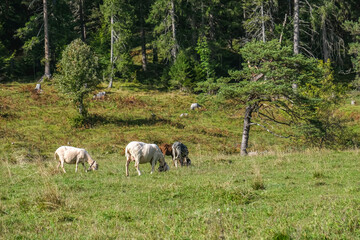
x,y
94,166
164,167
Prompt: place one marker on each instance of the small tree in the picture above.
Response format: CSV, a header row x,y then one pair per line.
x,y
78,73
265,87
180,73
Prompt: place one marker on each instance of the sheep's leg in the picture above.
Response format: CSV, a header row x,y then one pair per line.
x,y
174,157
127,167
175,162
153,162
182,161
137,167
84,166
62,166
77,162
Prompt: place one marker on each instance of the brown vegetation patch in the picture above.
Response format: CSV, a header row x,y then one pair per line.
x,y
6,105
129,101
355,116
40,97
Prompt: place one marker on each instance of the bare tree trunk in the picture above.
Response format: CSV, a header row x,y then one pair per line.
x,y
296,27
246,129
143,40
282,30
172,14
111,51
211,24
262,23
324,42
47,44
82,23
143,50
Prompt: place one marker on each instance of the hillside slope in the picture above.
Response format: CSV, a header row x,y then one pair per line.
x,y
34,125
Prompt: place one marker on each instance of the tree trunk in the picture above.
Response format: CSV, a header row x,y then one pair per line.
x,y
47,44
172,14
324,42
82,110
296,27
262,23
111,51
143,40
82,23
246,129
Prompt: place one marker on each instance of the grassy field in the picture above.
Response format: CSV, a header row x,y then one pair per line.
x,y
280,194
309,195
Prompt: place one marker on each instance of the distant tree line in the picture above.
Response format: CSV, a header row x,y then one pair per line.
x,y
172,43
286,62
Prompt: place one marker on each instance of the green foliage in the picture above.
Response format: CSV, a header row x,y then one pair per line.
x,y
254,18
181,73
78,73
204,52
323,127
206,67
354,50
160,18
266,82
326,130
122,13
269,74
5,62
31,33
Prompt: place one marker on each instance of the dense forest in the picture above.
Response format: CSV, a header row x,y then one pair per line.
x,y
285,62
170,43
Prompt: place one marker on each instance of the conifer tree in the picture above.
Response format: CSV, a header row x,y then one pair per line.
x,y
78,73
264,87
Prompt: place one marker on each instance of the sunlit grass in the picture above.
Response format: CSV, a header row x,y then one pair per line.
x,y
215,198
278,194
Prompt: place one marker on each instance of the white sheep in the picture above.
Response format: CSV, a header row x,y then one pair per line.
x,y
195,106
73,155
144,153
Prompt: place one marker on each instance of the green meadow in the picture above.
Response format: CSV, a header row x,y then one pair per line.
x,y
285,192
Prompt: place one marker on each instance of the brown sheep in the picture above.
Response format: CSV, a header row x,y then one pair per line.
x,y
166,149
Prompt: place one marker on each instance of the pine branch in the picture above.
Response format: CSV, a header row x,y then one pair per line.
x,y
268,130
273,119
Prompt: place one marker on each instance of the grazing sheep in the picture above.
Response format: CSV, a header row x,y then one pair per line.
x,y
100,95
144,153
180,153
166,149
194,106
73,155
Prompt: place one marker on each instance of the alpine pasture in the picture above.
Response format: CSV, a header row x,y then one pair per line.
x,y
284,192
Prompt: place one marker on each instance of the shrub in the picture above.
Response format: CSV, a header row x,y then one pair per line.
x,y
78,73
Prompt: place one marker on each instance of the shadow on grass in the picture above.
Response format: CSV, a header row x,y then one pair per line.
x,y
95,120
